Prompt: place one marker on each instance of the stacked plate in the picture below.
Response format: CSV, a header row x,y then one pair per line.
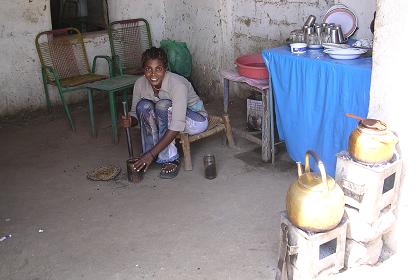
x,y
342,15
349,53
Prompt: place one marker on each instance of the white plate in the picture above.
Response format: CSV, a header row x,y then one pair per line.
x,y
344,56
349,53
339,5
335,46
343,16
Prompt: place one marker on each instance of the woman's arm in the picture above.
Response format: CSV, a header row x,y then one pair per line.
x,y
146,159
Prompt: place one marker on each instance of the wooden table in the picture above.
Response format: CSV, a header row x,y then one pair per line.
x,y
266,141
110,86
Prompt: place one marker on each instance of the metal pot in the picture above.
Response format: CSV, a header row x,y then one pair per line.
x,y
314,201
372,142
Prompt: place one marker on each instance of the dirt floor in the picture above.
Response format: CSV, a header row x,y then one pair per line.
x,y
57,224
64,226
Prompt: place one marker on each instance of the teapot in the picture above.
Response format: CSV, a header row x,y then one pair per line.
x,y
314,202
372,141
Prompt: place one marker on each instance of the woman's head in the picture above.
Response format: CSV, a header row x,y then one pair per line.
x,y
154,53
154,62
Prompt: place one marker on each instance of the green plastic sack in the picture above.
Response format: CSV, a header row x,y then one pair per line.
x,y
179,57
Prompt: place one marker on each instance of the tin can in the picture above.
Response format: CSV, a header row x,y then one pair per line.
x,y
133,175
209,166
340,34
310,21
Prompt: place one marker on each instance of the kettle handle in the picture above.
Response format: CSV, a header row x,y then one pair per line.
x,y
320,166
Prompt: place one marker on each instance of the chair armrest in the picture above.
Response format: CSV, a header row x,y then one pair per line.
x,y
50,70
108,59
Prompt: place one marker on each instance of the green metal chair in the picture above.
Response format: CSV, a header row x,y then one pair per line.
x,y
129,39
64,64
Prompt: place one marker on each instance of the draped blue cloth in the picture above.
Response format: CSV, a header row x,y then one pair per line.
x,y
312,92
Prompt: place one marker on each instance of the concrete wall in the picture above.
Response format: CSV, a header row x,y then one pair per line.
x,y
266,24
151,10
197,22
20,85
20,21
216,31
394,95
364,12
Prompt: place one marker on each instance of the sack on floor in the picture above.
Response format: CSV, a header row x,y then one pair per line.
x,y
179,57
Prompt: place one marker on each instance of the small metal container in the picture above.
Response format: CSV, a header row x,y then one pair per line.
x,y
318,30
310,21
133,175
307,30
209,166
334,36
328,29
340,34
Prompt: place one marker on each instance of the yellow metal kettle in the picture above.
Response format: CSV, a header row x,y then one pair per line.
x,y
314,201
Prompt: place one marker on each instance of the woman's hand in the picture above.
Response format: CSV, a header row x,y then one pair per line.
x,y
125,121
144,161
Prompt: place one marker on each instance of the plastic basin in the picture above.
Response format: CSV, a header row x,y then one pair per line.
x,y
252,66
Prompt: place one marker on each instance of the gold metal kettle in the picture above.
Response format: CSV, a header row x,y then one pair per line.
x,y
314,202
372,142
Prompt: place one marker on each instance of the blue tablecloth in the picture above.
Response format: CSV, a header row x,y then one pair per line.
x,y
312,92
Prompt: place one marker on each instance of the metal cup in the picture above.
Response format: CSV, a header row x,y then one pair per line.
x,y
340,34
318,30
133,175
328,29
209,166
310,21
334,36
307,30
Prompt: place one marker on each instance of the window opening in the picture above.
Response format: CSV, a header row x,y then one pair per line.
x,y
85,15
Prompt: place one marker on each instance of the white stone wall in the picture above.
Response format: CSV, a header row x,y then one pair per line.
x,y
394,99
216,31
20,84
151,10
197,22
364,12
20,21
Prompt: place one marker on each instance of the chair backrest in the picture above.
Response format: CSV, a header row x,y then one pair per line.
x,y
64,51
129,39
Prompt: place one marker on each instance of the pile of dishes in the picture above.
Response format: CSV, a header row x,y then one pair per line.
x,y
347,53
341,15
336,26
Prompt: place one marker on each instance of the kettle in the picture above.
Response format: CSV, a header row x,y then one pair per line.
x,y
372,141
314,202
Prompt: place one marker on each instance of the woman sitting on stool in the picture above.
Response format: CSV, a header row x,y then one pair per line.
x,y
165,103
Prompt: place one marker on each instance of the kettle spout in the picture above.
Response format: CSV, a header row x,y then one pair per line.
x,y
299,167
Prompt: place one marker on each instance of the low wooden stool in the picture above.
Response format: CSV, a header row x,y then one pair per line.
x,y
216,125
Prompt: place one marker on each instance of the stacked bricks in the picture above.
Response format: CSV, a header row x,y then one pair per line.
x,y
313,255
371,195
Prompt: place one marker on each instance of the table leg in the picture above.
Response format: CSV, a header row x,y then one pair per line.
x,y
91,113
271,106
113,110
225,95
265,137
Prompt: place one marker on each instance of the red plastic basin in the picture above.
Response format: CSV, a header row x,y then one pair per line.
x,y
252,66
